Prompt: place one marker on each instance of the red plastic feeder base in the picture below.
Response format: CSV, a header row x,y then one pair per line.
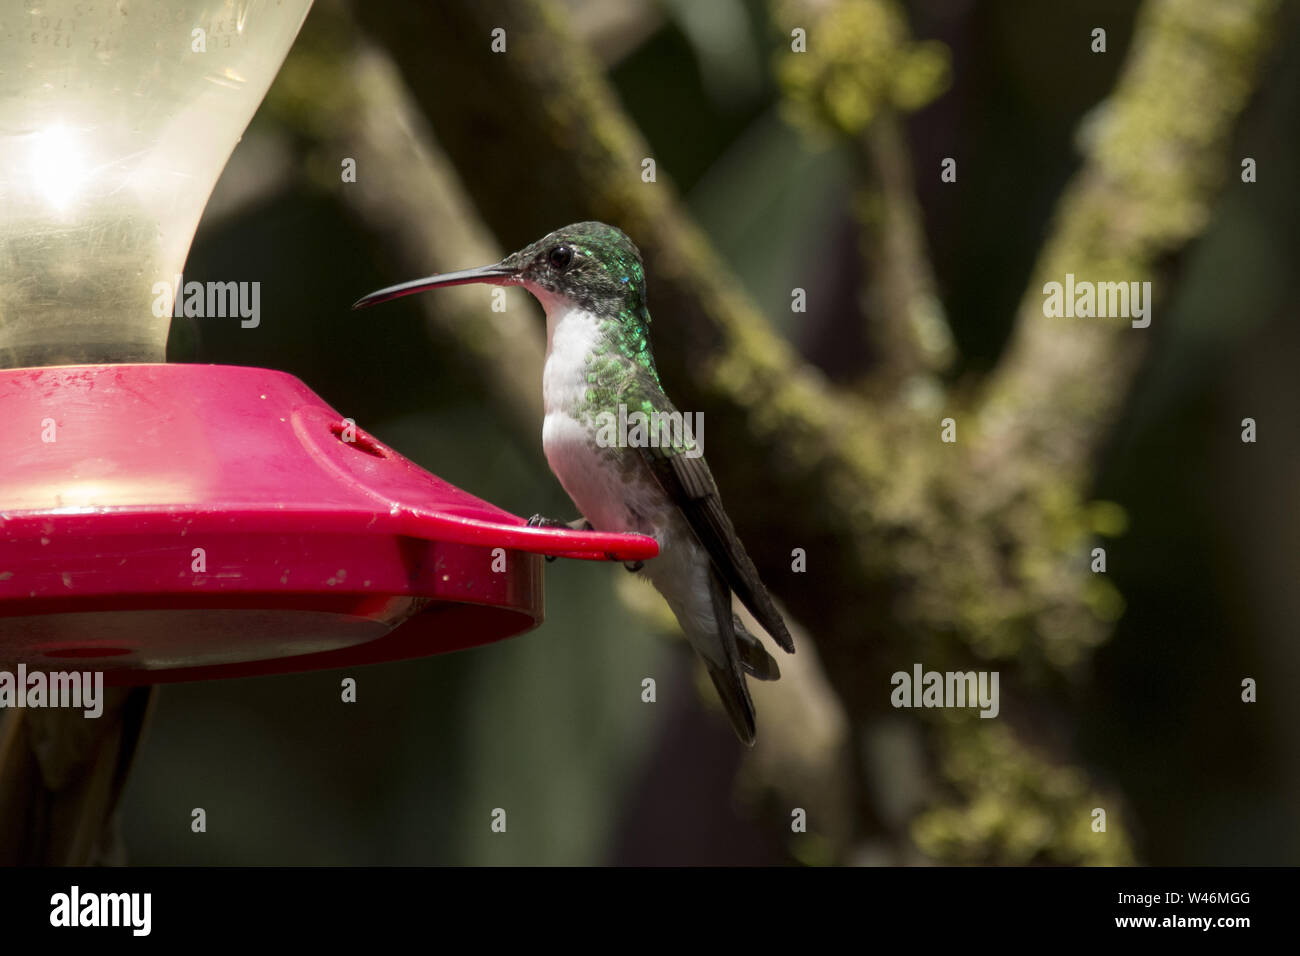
x,y
187,522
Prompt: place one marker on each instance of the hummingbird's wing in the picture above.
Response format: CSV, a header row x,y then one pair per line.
x,y
690,485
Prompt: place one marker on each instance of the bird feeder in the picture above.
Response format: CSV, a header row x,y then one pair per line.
x,y
171,522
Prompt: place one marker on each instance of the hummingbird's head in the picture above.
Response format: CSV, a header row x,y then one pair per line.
x,y
587,265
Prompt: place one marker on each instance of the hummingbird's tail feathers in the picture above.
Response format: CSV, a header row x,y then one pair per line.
x,y
754,658
735,700
728,674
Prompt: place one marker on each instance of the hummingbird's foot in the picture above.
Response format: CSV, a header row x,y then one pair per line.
x,y
635,566
577,524
541,521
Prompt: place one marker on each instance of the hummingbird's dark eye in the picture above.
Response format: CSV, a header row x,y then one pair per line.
x,y
559,257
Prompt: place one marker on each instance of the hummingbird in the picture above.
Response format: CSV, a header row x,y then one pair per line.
x,y
590,280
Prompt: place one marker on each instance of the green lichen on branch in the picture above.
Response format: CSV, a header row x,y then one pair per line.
x,y
1156,154
862,71
859,60
1011,806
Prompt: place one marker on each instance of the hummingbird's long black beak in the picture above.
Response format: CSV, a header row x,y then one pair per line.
x,y
491,275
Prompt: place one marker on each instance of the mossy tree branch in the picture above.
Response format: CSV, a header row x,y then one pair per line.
x,y
862,73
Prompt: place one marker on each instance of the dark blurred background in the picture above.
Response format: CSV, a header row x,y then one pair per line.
x,y
550,725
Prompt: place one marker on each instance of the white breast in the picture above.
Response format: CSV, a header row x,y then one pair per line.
x,y
571,335
593,479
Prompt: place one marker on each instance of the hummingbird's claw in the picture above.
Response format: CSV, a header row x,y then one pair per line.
x,y
541,521
635,566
